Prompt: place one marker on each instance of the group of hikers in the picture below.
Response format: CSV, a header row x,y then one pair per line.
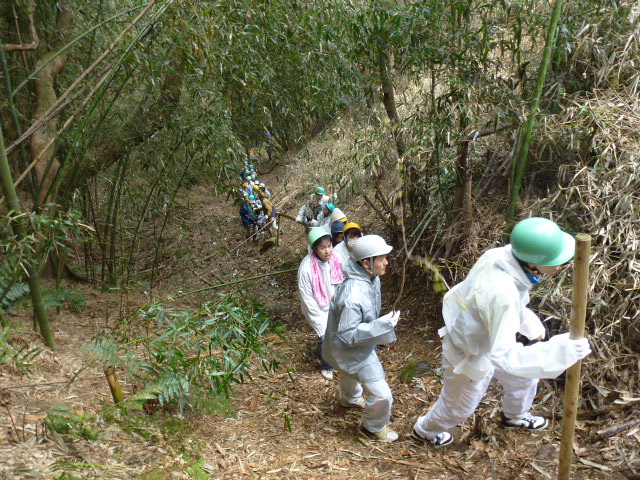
x,y
257,211
339,286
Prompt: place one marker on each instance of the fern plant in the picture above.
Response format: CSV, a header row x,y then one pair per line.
x,y
190,355
12,294
49,235
16,353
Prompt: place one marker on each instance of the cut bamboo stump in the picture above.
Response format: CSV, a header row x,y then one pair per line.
x,y
114,385
572,385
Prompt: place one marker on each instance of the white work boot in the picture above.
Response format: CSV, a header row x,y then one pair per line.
x,y
327,374
385,435
358,404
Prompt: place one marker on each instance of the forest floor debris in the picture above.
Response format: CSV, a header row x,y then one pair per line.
x,y
287,424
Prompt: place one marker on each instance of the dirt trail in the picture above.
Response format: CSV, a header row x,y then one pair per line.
x,y
286,425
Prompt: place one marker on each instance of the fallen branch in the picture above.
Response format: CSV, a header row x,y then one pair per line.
x,y
242,280
30,385
604,411
476,134
618,428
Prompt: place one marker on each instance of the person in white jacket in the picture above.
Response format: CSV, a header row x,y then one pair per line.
x,y
482,316
318,275
352,232
312,209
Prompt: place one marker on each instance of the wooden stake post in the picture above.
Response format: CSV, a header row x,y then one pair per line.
x,y
572,385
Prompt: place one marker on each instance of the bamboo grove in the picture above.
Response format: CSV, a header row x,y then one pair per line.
x,y
110,108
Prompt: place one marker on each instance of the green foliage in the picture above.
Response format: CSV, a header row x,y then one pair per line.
x,y
62,418
13,294
191,357
15,351
192,467
195,468
50,233
62,296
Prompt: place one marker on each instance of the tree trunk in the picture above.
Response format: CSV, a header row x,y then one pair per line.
x,y
389,97
45,81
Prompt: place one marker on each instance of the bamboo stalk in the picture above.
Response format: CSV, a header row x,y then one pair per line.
x,y
39,310
14,115
520,155
572,385
242,280
114,385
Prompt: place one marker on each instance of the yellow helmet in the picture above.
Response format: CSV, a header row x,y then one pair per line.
x,y
351,225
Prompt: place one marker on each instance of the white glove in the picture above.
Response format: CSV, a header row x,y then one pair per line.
x,y
313,223
392,317
581,348
395,317
569,351
299,219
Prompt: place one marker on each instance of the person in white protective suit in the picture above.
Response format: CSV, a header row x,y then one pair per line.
x,y
318,275
330,214
352,232
482,316
312,209
354,329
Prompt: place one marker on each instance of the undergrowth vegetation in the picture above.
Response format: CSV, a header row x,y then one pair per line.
x,y
186,357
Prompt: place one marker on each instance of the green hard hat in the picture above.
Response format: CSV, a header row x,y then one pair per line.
x,y
316,234
541,242
320,191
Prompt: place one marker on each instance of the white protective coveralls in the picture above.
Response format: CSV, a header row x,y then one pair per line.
x,y
314,313
482,315
343,254
327,221
354,328
306,214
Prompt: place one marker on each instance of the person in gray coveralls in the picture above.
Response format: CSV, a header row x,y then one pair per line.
x,y
354,328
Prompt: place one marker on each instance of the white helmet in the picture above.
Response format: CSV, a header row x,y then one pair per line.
x,y
370,246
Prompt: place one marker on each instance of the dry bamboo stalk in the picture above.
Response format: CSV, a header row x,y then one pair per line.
x,y
114,385
572,386
618,428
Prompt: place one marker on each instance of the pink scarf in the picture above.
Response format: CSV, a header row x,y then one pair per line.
x,y
320,292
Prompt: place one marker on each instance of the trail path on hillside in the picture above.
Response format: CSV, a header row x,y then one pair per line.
x,y
286,425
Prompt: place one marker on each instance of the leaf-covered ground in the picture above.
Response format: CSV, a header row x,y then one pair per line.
x,y
284,425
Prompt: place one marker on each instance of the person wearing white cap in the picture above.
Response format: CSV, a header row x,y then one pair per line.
x,y
482,316
354,329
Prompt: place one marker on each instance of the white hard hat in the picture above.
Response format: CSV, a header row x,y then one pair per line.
x,y
370,246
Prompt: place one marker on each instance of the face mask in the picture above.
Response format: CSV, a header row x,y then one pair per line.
x,y
532,279
351,243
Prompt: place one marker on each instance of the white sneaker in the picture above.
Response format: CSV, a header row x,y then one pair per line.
x,y
385,435
357,404
327,374
528,422
440,440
